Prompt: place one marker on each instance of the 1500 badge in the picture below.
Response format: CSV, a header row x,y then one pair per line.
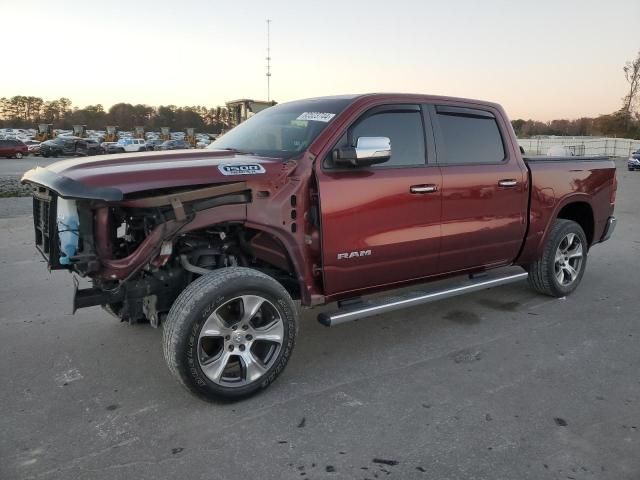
x,y
241,169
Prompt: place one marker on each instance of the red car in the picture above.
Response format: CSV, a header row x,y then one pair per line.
x,y
13,149
317,201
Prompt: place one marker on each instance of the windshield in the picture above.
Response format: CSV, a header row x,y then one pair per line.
x,y
284,130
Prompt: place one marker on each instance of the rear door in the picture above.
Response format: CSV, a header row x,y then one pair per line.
x,y
381,224
484,196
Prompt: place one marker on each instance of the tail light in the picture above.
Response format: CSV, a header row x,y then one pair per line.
x,y
614,189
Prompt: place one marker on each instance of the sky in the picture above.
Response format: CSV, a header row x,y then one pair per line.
x,y
540,59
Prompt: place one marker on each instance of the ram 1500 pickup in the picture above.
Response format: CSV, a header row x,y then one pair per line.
x,y
317,201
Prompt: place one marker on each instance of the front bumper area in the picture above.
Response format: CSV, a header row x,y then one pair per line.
x,y
609,228
68,188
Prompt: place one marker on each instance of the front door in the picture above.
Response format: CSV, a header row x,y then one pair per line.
x,y
484,192
381,224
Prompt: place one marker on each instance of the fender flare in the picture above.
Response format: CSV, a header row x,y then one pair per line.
x,y
576,197
296,256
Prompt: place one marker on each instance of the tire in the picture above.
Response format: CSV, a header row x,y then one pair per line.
x,y
227,362
19,155
563,262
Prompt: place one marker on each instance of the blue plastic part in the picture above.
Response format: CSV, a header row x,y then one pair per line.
x,y
68,235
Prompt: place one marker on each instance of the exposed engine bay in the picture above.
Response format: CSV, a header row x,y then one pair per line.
x,y
142,252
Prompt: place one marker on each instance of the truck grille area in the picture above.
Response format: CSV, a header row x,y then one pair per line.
x,y
44,221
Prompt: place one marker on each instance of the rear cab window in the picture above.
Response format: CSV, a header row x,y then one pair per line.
x,y
468,136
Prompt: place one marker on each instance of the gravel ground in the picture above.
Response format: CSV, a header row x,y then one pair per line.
x,y
11,187
11,171
501,384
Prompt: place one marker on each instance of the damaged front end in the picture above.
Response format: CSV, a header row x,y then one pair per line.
x,y
139,251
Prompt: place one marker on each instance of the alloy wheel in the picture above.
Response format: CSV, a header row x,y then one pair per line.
x,y
240,341
568,259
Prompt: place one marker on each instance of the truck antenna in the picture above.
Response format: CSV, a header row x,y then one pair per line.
x,y
268,60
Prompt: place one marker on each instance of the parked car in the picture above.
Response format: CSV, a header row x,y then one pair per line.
x,y
88,146
634,161
13,149
173,145
345,196
109,147
33,146
153,144
132,145
60,146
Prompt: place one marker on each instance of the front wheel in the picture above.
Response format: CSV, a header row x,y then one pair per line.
x,y
18,155
563,262
230,333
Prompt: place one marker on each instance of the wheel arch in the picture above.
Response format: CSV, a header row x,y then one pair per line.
x,y
581,212
277,249
576,207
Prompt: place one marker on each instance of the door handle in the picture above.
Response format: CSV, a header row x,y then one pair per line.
x,y
508,183
423,188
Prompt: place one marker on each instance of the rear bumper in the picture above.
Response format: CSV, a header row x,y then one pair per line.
x,y
609,228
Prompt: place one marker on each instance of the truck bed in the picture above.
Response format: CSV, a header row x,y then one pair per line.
x,y
559,181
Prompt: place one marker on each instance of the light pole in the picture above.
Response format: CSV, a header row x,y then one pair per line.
x,y
268,60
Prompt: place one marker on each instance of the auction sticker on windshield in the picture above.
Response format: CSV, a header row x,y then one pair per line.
x,y
241,169
316,116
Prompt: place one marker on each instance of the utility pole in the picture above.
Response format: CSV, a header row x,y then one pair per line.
x,y
268,60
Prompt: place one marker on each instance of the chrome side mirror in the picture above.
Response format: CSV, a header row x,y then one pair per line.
x,y
368,151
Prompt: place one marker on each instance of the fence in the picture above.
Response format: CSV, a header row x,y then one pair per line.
x,y
612,147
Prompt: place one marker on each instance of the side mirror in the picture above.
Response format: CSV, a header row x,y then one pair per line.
x,y
368,151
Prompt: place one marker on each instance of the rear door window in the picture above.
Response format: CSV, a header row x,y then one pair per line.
x,y
468,136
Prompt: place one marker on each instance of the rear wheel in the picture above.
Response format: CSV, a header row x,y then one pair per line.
x,y
563,262
230,333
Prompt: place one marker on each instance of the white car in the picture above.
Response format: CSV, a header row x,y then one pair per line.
x,y
131,145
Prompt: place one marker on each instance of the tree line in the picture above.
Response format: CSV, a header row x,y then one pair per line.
x,y
26,112
617,124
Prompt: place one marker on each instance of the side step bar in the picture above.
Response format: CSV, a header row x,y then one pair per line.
x,y
378,306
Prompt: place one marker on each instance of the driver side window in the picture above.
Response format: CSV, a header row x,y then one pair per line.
x,y
404,129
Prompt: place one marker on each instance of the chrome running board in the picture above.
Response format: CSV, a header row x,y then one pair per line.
x,y
377,306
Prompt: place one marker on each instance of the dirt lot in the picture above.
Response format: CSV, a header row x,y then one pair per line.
x,y
504,384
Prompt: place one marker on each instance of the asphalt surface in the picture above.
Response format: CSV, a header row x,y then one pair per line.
x,y
502,384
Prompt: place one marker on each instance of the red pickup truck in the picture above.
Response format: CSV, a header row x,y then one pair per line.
x,y
317,201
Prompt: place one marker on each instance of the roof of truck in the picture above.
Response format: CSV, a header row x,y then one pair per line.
x,y
396,95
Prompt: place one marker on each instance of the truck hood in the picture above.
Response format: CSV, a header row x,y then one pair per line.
x,y
137,172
